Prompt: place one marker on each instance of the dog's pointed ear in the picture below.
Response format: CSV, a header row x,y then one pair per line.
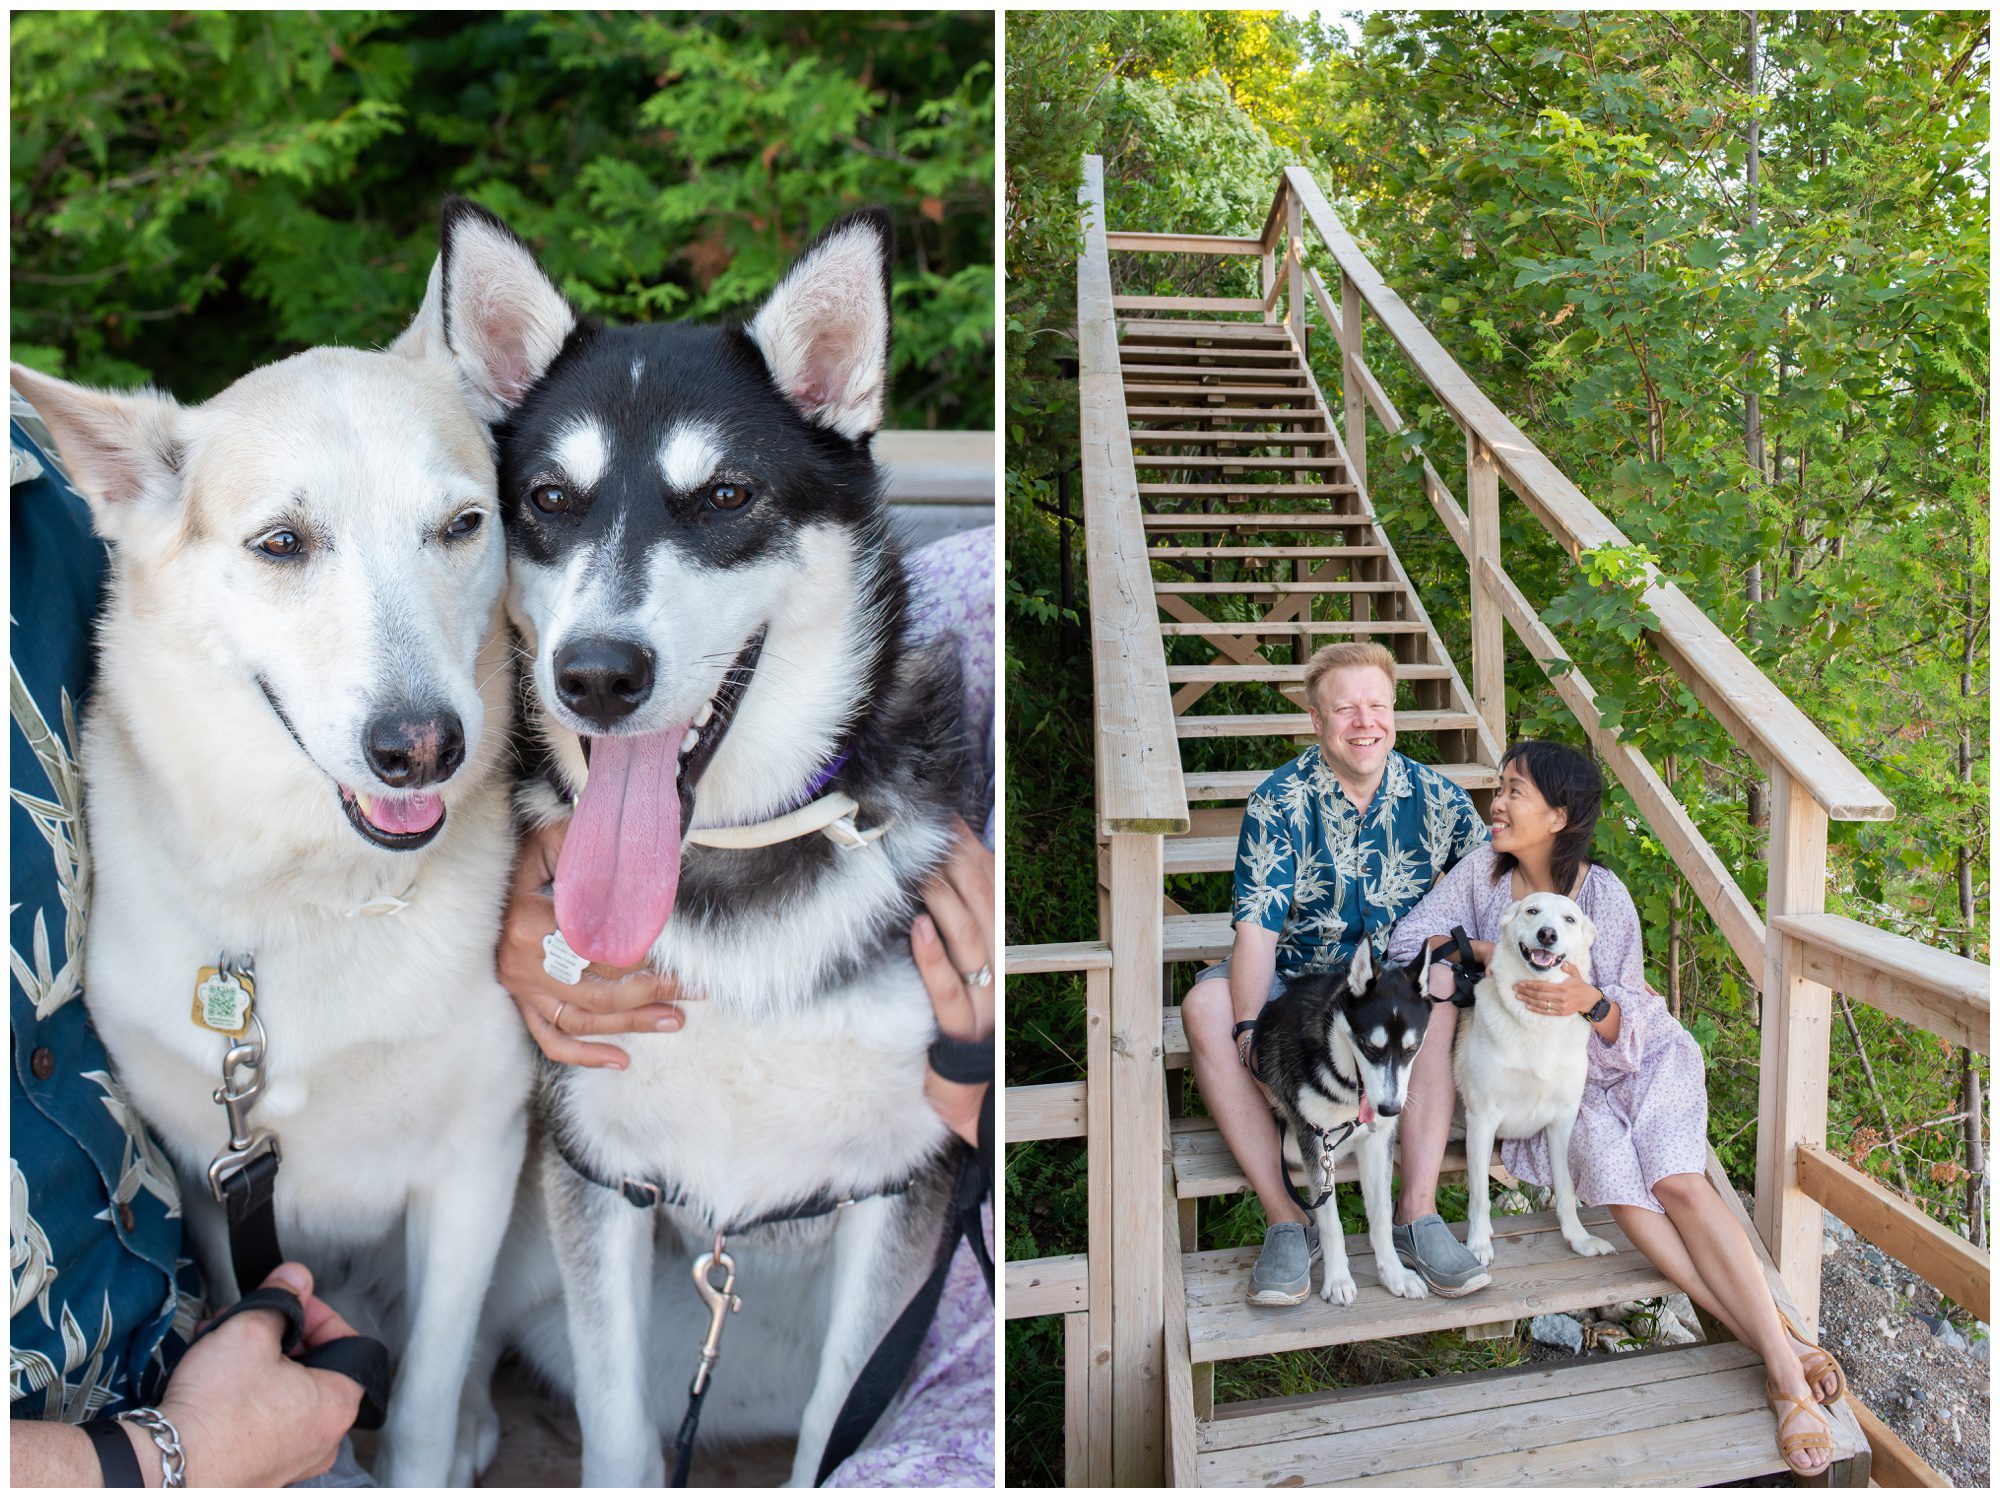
x,y
824,333
1507,915
424,337
493,306
1361,971
124,451
1589,929
1419,966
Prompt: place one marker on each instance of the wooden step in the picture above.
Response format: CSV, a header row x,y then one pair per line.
x,y
1299,725
1183,412
1164,327
1236,785
1266,590
1196,938
1278,674
1218,491
1358,627
1261,439
1203,1165
1668,1417
1239,463
1198,372
1299,393
1127,352
1533,1271
1260,520
1264,553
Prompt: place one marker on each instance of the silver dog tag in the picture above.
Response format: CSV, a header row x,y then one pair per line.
x,y
559,962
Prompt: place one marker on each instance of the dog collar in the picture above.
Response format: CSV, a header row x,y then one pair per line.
x,y
831,814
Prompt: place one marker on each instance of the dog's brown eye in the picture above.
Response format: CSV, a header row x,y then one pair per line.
x,y
465,525
550,499
282,544
729,496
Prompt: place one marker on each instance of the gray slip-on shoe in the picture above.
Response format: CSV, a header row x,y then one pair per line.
x,y
1283,1273
1447,1265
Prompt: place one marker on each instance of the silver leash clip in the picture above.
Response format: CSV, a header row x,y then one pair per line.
x,y
722,1299
242,1084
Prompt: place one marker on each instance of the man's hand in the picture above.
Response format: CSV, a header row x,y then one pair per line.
x,y
959,902
249,1416
605,1001
1546,997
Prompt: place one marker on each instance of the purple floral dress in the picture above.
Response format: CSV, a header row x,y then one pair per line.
x,y
939,1431
1645,1104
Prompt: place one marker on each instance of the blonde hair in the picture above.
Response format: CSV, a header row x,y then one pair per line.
x,y
1344,655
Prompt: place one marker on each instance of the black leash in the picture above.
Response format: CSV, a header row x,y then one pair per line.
x,y
1329,1141
244,1178
889,1364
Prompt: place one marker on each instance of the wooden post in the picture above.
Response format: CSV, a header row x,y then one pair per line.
x,y
1350,380
1489,642
1099,1182
1078,1438
1138,1149
1798,1020
1295,271
1268,278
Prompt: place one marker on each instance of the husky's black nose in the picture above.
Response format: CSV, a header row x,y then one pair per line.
x,y
1547,937
1390,1110
602,680
411,749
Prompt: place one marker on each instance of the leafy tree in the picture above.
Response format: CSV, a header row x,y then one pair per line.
x,y
278,174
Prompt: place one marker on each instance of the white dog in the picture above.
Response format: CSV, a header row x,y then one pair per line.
x,y
1520,1073
295,768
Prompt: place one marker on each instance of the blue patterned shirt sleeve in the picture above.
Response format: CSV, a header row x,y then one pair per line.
x,y
1266,858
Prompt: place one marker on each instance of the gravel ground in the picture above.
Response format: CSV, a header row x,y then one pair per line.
x,y
1926,1380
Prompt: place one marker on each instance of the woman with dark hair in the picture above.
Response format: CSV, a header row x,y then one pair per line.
x,y
1641,1140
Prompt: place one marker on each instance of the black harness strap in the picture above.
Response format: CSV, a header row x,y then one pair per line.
x,y
1466,970
646,1195
362,1359
248,1196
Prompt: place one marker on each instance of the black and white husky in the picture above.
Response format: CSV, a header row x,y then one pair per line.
x,y
702,576
296,755
1334,1051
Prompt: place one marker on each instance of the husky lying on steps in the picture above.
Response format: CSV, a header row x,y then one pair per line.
x,y
293,756
703,576
1520,1073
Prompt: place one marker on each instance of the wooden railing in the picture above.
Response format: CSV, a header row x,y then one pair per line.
x,y
1140,799
1077,1287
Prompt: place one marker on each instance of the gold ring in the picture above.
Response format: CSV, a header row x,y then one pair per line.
x,y
557,1021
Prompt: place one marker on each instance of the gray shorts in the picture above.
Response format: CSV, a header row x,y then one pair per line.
x,y
1221,971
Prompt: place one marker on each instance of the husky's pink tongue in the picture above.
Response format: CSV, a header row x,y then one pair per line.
x,y
1367,1110
402,815
621,863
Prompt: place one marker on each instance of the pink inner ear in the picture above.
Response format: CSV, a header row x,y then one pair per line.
x,y
811,395
512,375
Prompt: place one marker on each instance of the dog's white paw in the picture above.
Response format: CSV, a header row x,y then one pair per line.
x,y
478,1442
1590,1247
1337,1289
1398,1280
1480,1246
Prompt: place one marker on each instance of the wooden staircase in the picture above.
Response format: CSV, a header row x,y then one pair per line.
x,y
1265,545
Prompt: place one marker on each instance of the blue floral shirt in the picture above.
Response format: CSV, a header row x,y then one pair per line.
x,y
103,1298
1312,868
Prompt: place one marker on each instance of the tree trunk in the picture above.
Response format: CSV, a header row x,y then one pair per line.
x,y
1975,1143
1667,768
1753,420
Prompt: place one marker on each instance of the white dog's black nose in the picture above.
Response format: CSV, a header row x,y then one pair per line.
x,y
412,749
602,680
1547,937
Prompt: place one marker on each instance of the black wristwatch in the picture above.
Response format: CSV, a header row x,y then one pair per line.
x,y
1597,1011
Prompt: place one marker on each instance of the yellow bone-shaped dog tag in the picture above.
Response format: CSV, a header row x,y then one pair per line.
x,y
222,1001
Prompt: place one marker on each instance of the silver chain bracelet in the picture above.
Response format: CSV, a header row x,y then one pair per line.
x,y
173,1461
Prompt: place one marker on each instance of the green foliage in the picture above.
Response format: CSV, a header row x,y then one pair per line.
x,y
278,174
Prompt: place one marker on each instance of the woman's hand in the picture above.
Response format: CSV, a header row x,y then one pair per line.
x,y
1545,997
248,1415
959,905
605,1001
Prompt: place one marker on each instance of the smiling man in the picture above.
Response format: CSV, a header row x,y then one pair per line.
x,y
1336,846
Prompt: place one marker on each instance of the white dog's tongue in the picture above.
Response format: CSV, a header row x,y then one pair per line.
x,y
403,815
621,863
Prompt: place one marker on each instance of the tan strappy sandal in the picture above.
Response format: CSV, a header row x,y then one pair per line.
x,y
1817,1362
1817,1440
